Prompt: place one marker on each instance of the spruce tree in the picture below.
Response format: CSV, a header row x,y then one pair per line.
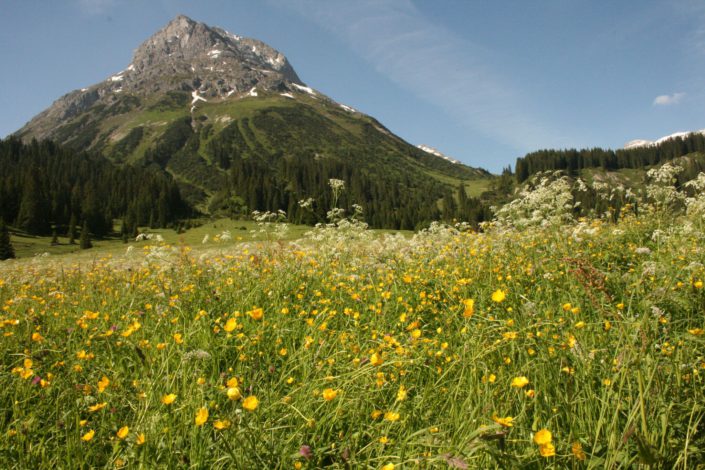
x,y
71,232
33,209
6,249
123,232
85,241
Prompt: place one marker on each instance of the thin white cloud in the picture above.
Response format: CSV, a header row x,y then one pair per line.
x,y
668,100
433,64
694,10
95,7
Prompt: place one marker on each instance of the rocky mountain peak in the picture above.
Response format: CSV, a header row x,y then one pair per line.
x,y
188,56
181,39
189,49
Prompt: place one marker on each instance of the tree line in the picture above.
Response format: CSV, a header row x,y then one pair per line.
x,y
47,188
572,160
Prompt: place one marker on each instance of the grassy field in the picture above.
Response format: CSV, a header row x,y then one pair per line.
x,y
240,231
578,346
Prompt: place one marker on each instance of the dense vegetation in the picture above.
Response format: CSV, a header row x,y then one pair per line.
x,y
545,341
573,160
45,187
270,153
281,155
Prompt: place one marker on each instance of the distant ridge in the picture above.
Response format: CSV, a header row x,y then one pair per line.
x,y
648,143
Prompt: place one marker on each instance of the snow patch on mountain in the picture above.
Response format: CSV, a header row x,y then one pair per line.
x,y
304,89
196,97
435,152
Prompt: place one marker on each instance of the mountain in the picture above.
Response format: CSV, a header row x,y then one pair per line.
x,y
649,143
232,123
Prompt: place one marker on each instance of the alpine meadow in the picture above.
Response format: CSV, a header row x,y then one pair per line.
x,y
207,263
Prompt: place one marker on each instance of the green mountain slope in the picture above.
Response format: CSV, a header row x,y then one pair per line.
x,y
251,136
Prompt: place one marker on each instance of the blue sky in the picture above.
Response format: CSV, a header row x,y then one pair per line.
x,y
484,82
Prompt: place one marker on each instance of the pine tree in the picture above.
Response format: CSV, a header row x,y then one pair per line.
x,y
33,207
71,232
54,236
123,232
6,249
85,241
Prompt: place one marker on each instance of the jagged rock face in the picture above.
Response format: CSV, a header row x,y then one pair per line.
x,y
184,55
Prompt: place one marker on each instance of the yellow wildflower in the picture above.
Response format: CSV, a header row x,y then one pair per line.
x,y
256,314
169,398
123,432
221,425
543,437
520,382
103,384
233,393
469,308
498,296
201,416
578,451
230,325
232,382
250,403
547,450
401,393
329,394
97,407
506,421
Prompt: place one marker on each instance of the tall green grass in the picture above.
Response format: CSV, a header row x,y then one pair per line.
x,y
368,352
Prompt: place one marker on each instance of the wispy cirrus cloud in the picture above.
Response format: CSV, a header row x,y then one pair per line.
x,y
668,100
694,9
95,7
433,64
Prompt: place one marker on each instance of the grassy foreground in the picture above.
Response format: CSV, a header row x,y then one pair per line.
x,y
573,347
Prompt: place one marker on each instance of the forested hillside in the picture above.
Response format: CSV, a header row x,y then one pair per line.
x,y
573,160
44,186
